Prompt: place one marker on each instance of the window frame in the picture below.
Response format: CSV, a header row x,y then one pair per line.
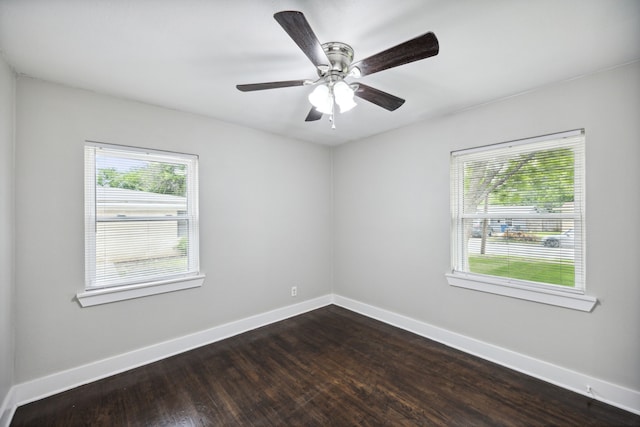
x,y
569,297
96,292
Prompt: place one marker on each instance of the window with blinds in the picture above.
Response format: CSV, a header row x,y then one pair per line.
x,y
518,212
141,213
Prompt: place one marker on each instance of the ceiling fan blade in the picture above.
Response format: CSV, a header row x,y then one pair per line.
x,y
378,97
420,47
270,85
313,115
296,25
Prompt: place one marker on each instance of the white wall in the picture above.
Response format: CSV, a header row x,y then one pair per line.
x,y
7,91
265,209
392,225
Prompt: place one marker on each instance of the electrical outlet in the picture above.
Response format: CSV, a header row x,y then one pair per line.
x,y
294,291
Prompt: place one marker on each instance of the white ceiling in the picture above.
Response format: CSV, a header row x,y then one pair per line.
x,y
189,54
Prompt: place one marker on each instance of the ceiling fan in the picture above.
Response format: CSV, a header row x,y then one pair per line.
x,y
334,63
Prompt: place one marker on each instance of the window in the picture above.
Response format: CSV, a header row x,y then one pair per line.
x,y
141,223
518,219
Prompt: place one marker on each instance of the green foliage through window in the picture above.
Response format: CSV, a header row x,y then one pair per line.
x,y
152,177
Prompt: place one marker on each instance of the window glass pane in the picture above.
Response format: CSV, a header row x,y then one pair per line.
x,y
144,211
139,250
541,180
518,211
524,249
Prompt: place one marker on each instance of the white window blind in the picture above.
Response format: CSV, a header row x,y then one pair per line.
x,y
141,213
518,212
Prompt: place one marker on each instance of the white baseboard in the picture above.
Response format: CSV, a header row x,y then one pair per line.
x,y
7,409
40,388
604,391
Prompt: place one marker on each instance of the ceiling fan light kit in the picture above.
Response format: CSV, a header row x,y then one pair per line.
x,y
334,63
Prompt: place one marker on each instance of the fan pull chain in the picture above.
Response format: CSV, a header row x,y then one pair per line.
x,y
332,116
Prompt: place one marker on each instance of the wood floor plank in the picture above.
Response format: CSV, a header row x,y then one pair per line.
x,y
326,367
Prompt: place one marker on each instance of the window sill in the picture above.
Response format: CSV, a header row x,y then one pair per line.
x,y
120,293
575,301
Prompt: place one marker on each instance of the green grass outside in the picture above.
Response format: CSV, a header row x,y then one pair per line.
x,y
556,273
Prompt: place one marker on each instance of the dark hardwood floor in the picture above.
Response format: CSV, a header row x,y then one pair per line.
x,y
327,367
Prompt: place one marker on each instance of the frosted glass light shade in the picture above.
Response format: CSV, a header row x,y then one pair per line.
x,y
322,99
344,96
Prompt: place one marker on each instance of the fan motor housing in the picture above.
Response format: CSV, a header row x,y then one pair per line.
x,y
340,55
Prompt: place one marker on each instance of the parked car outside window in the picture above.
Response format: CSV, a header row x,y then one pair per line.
x,y
557,240
477,232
